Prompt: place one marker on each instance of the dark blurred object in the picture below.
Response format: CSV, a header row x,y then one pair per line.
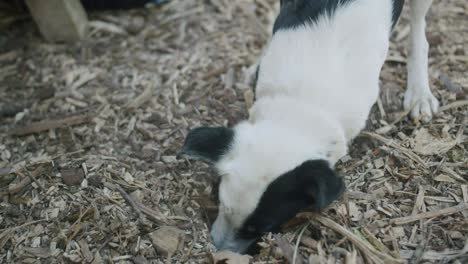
x,y
117,4
11,11
18,6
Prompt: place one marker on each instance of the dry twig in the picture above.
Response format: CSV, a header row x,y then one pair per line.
x,y
16,188
50,124
127,198
371,253
447,211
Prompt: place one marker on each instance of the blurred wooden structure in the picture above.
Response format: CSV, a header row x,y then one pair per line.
x,y
59,20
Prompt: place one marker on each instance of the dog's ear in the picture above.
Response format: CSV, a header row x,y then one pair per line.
x,y
321,185
208,143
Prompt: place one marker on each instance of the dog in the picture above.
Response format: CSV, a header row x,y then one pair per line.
x,y
316,82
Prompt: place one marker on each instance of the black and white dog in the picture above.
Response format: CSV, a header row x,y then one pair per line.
x,y
316,83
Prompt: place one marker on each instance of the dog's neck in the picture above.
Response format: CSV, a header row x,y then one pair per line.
x,y
319,130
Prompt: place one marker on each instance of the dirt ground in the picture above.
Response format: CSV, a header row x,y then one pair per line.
x,y
89,136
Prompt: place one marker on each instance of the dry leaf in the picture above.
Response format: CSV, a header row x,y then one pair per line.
x,y
426,144
72,176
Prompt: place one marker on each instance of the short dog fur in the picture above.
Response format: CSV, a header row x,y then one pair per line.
x,y
316,83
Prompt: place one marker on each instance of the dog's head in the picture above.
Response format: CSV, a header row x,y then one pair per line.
x,y
265,180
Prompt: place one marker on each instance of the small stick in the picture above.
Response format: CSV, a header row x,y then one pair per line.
x,y
213,73
370,252
154,215
6,230
385,129
139,208
45,125
13,189
33,178
446,211
381,108
410,154
419,201
465,193
287,249
374,241
144,97
296,248
453,105
127,198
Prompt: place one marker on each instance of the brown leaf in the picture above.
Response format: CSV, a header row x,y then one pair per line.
x,y
72,176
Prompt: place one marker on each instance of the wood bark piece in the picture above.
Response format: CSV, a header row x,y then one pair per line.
x,y
72,176
59,20
446,211
46,125
228,257
16,188
167,240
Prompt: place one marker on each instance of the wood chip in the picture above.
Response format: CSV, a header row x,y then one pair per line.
x,y
167,240
465,193
85,250
72,176
419,201
228,257
249,98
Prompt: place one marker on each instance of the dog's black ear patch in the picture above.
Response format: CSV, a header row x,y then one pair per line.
x,y
208,143
313,184
321,183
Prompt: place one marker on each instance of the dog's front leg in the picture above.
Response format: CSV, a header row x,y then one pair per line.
x,y
418,94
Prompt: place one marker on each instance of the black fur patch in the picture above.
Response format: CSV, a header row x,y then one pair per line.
x,y
255,82
208,143
397,7
313,185
295,13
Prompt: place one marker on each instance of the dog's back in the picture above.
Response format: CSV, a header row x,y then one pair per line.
x,y
329,54
316,83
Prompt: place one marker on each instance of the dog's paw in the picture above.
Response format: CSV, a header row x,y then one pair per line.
x,y
423,104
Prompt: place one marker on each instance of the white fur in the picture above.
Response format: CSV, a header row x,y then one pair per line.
x,y
418,94
316,86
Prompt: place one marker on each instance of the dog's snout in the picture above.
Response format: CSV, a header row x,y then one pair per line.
x,y
226,240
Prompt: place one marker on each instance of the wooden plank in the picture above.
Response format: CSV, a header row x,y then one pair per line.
x,y
59,20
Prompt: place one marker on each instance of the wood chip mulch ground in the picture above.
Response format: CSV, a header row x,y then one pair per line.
x,y
89,136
